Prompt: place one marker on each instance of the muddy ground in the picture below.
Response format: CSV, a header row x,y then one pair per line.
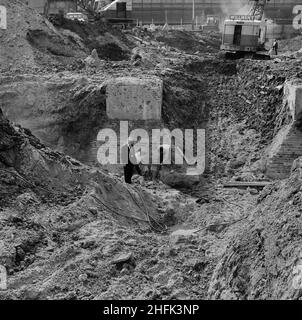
x,y
72,230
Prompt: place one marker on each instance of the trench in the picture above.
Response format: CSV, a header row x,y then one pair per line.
x,y
201,217
73,232
70,123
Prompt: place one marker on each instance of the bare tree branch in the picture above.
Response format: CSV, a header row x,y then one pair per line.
x,y
90,6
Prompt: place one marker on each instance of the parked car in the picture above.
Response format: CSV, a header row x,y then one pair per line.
x,y
79,16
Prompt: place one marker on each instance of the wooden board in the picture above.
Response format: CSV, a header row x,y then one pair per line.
x,y
244,184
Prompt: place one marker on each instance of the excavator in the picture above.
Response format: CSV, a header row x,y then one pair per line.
x,y
244,35
212,24
116,12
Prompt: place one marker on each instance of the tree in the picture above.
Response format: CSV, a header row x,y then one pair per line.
x,y
90,6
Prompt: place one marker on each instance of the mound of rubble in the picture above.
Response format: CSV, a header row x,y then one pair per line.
x,y
264,259
31,42
25,33
47,198
290,45
71,231
188,42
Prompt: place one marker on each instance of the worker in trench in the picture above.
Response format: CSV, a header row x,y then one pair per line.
x,y
275,47
165,152
130,160
162,150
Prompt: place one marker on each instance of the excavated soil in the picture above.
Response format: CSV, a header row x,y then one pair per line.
x,y
71,230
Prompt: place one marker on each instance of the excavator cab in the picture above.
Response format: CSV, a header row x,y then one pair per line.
x,y
212,23
242,35
246,33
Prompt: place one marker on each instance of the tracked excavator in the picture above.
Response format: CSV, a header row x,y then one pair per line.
x,y
244,35
116,12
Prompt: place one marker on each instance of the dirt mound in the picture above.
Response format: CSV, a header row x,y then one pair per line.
x,y
190,42
293,44
34,179
78,231
27,164
50,43
186,41
110,43
31,42
244,100
264,260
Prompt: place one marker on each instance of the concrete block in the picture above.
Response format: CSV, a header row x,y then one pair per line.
x,y
131,98
293,97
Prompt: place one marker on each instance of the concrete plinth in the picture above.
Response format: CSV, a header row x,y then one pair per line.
x,y
293,97
134,98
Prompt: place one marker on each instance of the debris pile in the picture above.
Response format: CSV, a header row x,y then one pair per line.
x,y
32,43
72,230
264,258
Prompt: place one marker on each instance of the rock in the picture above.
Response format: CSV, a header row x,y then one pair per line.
x,y
83,277
172,252
30,294
198,265
124,257
141,180
237,163
20,254
253,191
217,227
203,200
280,87
27,198
124,271
93,60
179,179
182,236
297,164
179,294
169,218
270,77
93,210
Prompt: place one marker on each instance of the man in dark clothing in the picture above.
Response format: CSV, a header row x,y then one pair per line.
x,y
130,161
275,47
163,152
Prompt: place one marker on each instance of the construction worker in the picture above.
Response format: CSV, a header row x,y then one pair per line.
x,y
163,152
129,160
275,47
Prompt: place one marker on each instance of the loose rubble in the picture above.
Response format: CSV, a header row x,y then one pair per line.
x,y
74,230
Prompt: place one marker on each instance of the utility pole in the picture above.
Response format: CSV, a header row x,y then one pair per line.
x,y
142,13
193,13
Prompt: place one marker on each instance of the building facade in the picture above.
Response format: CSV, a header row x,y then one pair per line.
x,y
53,6
284,16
